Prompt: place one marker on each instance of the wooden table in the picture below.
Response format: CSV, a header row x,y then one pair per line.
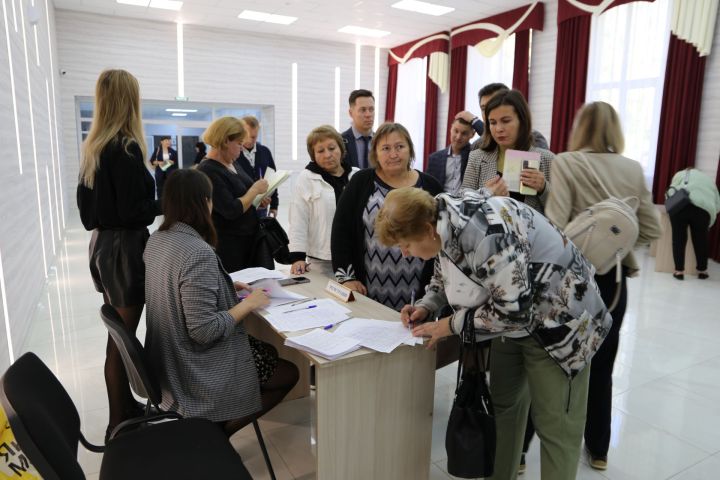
x,y
374,410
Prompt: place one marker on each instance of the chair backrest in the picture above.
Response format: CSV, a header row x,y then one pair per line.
x,y
141,377
43,418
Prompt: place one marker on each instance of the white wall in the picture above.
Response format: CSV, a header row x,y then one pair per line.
x,y
220,66
31,226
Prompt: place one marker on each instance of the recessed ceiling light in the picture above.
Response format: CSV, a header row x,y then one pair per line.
x,y
166,4
138,3
176,114
422,7
266,17
362,31
189,110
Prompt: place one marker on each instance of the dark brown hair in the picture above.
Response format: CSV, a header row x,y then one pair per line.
x,y
355,94
185,199
516,100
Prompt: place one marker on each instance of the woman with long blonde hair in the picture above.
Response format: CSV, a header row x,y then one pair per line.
x,y
116,198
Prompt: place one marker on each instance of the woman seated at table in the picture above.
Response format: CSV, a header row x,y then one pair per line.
x,y
207,364
506,268
359,260
509,127
317,190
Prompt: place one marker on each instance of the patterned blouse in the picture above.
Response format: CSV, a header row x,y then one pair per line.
x,y
390,277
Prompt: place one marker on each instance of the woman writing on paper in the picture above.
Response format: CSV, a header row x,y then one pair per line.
x,y
233,193
206,363
510,128
312,208
505,267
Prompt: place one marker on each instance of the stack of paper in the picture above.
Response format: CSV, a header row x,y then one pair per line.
x,y
324,344
274,179
250,275
306,315
378,335
278,295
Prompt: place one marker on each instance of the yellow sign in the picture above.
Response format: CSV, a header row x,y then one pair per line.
x,y
13,462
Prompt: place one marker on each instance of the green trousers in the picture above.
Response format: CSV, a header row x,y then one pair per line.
x,y
522,372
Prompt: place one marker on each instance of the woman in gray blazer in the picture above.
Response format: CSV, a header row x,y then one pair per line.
x,y
206,363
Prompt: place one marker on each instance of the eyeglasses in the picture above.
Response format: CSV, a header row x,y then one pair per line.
x,y
386,149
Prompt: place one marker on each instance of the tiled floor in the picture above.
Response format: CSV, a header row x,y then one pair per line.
x,y
666,418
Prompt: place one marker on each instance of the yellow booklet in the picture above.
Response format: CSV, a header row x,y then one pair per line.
x,y
274,179
515,162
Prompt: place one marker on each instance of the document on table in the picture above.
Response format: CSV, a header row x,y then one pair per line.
x,y
323,343
250,275
379,335
278,295
306,315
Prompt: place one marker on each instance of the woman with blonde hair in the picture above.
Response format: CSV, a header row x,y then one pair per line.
x,y
116,198
312,208
233,193
596,145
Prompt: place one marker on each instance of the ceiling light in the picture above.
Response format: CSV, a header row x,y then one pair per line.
x,y
362,31
179,114
138,3
189,110
266,17
166,4
422,7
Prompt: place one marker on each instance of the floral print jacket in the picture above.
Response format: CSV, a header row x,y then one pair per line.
x,y
507,267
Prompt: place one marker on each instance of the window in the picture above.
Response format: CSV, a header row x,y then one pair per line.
x,y
410,103
482,70
626,68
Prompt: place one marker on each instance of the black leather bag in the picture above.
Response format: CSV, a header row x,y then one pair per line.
x,y
677,198
470,439
271,243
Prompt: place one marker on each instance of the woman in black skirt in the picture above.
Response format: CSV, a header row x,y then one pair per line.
x,y
116,198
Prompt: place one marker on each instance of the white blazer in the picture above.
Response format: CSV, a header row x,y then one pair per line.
x,y
312,209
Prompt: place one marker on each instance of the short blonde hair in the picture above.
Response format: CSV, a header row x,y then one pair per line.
x,y
324,132
597,128
224,129
251,121
386,129
404,215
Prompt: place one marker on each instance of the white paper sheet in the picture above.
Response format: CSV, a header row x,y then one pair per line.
x,y
249,275
379,335
323,343
306,315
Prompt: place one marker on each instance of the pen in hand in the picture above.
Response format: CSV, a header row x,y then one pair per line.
x,y
412,309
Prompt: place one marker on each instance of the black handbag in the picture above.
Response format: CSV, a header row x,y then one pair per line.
x,y
470,439
677,198
271,242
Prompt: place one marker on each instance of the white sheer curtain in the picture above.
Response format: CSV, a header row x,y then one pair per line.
x,y
626,68
410,103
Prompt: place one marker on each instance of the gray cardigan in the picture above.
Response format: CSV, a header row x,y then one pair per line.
x,y
200,355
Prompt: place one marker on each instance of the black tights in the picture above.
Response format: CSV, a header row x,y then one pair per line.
x,y
271,393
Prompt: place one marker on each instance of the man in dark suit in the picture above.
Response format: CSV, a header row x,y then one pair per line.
x,y
484,96
357,138
448,165
255,159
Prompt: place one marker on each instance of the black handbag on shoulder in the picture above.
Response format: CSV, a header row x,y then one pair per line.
x,y
677,198
271,243
470,439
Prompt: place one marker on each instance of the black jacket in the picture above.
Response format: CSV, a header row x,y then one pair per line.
x,y
263,160
347,243
351,149
438,161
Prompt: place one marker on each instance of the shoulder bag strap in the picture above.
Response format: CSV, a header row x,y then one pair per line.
x,y
597,178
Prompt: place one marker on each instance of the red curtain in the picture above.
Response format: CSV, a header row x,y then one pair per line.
x,y
391,93
715,230
679,114
571,65
521,69
431,110
458,73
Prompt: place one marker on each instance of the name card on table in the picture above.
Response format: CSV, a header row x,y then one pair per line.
x,y
340,292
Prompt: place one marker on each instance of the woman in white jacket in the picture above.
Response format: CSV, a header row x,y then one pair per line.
x,y
312,207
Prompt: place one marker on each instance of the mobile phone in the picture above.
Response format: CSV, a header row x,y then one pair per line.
x,y
293,281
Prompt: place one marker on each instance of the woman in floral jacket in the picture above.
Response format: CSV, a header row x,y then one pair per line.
x,y
525,285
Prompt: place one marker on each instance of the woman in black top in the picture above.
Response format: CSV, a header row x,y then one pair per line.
x,y
116,198
165,161
200,152
233,193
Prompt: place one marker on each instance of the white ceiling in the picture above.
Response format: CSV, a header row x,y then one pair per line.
x,y
318,19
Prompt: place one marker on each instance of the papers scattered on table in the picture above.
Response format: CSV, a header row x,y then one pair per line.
x,y
378,335
278,295
324,344
250,275
306,315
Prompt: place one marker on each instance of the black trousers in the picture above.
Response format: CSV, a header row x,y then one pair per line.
x,y
599,408
698,220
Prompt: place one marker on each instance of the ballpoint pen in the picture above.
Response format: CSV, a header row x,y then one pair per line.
x,y
412,308
301,308
328,327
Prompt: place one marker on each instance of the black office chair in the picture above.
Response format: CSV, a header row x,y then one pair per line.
x,y
46,425
142,380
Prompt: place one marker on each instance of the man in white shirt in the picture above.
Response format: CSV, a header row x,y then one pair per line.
x,y
448,165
